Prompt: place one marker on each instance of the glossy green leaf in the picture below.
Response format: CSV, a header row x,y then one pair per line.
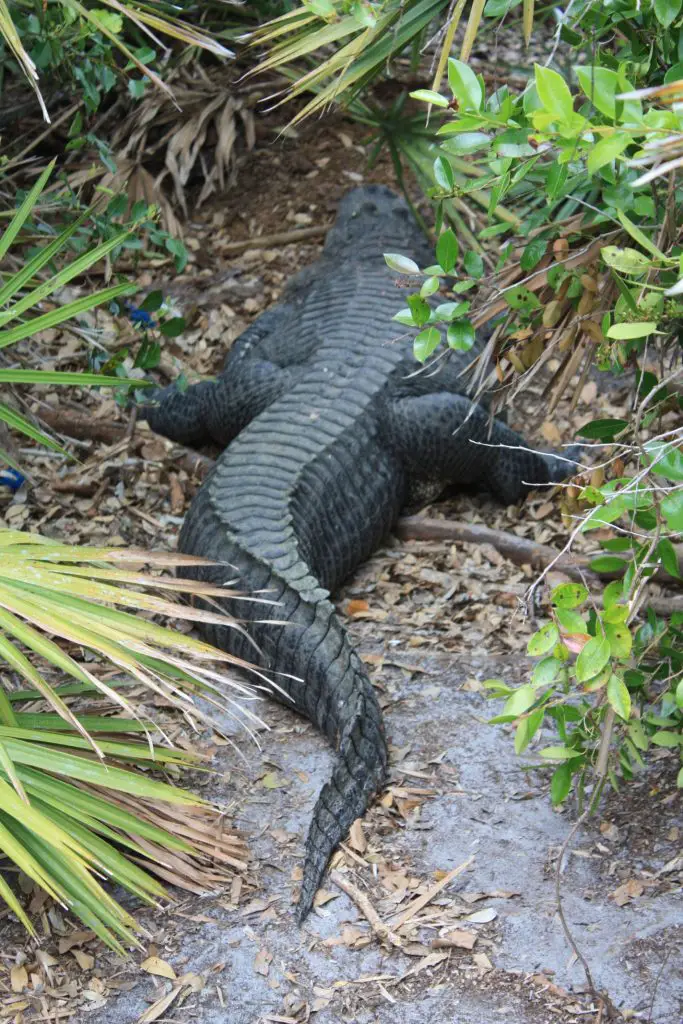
x,y
464,85
461,335
543,640
425,343
592,658
569,595
619,697
447,250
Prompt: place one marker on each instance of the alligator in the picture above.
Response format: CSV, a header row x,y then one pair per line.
x,y
329,430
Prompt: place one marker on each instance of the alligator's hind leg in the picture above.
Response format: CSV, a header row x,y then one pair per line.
x,y
444,435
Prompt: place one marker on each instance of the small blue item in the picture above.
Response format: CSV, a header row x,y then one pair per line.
x,y
139,316
11,478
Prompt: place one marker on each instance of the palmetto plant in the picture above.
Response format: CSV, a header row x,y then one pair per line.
x,y
109,17
74,808
353,43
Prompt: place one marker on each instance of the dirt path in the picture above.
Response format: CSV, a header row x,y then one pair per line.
x,y
457,791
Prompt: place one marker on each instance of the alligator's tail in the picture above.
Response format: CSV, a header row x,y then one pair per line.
x,y
359,773
317,668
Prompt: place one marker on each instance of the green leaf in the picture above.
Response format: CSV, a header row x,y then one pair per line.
x,y
625,261
443,174
613,593
464,85
401,264
592,658
569,595
606,150
620,639
533,254
527,729
447,250
639,236
600,86
560,784
560,753
666,553
430,286
474,264
554,93
667,11
628,332
546,672
24,211
427,96
665,738
153,302
616,614
543,640
672,510
666,460
619,697
602,430
62,313
571,621
425,343
460,335
173,327
450,310
520,701
608,563
419,309
404,316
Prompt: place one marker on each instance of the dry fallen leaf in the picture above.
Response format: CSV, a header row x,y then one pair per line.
x,y
86,961
357,840
273,781
483,916
623,894
262,962
456,938
155,965
357,607
18,979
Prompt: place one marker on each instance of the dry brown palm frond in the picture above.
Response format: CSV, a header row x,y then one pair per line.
x,y
197,144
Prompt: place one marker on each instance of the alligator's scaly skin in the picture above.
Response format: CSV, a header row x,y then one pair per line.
x,y
330,431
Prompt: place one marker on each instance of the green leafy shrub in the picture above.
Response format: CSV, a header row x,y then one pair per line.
x,y
594,275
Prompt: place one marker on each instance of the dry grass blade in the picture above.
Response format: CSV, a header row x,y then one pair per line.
x,y
473,23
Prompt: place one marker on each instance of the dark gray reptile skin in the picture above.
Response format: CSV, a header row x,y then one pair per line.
x,y
329,433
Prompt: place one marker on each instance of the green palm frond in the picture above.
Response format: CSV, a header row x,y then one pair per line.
x,y
376,35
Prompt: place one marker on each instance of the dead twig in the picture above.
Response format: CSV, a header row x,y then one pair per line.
x,y
381,930
279,238
428,896
519,550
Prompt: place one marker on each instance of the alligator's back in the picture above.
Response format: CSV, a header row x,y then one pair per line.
x,y
326,427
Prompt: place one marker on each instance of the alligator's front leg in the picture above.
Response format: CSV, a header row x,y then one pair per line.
x,y
444,436
218,410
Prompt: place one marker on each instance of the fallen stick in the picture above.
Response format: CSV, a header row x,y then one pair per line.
x,y
381,930
428,896
519,550
84,428
279,238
